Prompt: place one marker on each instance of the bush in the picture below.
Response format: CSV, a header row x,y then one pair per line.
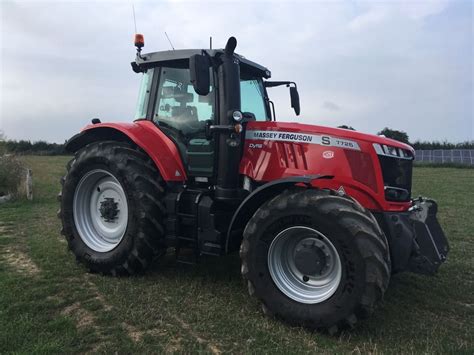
x,y
23,147
12,174
3,143
394,134
347,127
418,145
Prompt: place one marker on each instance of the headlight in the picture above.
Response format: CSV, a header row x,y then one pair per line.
x,y
382,149
390,150
237,116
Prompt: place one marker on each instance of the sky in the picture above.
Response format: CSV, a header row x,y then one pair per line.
x,y
407,65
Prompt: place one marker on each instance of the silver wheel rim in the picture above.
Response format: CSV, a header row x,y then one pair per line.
x,y
100,210
294,270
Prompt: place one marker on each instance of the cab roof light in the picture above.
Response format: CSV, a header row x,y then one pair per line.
x,y
139,41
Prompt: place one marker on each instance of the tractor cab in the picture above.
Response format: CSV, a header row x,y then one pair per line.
x,y
191,117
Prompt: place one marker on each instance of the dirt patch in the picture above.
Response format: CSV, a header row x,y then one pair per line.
x,y
6,230
98,296
19,261
83,317
133,333
137,335
173,346
212,347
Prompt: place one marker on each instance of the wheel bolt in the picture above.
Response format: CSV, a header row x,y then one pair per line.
x,y
305,278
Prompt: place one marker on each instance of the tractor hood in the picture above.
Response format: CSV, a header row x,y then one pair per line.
x,y
333,132
363,165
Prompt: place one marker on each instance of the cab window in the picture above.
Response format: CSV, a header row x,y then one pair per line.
x,y
178,106
252,97
144,95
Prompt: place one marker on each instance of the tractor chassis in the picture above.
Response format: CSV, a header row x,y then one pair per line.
x,y
197,222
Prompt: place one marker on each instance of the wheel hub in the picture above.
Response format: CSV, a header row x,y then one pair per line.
x,y
100,210
108,209
304,264
310,258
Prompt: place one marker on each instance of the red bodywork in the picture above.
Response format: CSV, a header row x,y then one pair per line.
x,y
354,167
283,155
155,143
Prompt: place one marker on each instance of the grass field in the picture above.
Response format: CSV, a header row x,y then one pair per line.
x,y
48,303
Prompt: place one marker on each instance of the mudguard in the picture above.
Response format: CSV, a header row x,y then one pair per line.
x,y
255,199
145,135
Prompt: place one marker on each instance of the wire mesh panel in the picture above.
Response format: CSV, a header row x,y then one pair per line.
x,y
441,156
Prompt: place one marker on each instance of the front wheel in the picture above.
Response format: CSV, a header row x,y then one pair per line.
x,y
315,259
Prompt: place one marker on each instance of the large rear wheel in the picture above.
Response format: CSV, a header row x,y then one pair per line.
x,y
111,208
316,259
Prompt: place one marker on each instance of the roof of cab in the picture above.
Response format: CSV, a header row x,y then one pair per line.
x,y
151,59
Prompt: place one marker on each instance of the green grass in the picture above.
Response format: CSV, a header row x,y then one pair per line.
x,y
48,303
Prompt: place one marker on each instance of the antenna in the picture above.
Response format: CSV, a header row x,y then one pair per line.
x,y
171,44
134,19
210,42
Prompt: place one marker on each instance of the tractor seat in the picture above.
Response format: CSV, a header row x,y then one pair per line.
x,y
185,119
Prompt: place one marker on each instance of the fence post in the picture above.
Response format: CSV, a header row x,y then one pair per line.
x,y
29,184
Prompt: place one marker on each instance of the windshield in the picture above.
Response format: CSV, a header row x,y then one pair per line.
x,y
252,98
172,80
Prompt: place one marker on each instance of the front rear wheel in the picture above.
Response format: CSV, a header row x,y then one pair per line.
x,y
315,259
111,208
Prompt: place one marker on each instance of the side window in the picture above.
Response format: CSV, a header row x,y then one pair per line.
x,y
252,98
178,106
144,94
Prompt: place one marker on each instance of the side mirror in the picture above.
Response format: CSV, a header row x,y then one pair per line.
x,y
295,99
199,69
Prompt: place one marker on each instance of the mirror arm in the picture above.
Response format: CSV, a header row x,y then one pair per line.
x,y
273,109
271,84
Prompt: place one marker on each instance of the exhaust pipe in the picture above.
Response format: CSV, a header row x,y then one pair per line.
x,y
227,188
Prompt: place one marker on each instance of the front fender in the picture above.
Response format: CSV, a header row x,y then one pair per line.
x,y
254,200
143,134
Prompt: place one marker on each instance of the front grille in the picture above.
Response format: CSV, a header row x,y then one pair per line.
x,y
397,174
362,168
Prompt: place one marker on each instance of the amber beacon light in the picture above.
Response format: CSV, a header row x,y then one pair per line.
x,y
139,41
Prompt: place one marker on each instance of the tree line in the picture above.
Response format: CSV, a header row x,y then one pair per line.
x,y
402,136
25,147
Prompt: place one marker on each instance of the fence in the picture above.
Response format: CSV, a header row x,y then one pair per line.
x,y
440,156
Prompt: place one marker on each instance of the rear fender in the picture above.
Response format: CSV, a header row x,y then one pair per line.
x,y
254,200
143,134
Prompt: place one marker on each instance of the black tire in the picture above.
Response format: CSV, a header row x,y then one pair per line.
x,y
143,187
359,241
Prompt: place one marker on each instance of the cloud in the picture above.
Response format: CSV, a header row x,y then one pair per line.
x,y
406,65
331,106
373,17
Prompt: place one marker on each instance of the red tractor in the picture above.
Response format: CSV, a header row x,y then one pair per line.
x,y
322,216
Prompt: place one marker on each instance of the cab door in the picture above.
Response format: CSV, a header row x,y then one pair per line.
x,y
183,115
